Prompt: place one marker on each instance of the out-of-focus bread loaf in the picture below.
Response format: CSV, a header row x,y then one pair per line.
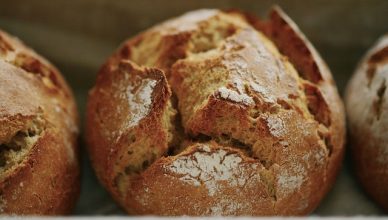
x,y
367,111
39,170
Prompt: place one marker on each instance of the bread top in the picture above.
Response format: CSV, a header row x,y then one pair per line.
x,y
35,101
132,103
366,100
13,51
255,89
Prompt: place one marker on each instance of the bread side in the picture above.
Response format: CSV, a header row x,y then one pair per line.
x,y
366,102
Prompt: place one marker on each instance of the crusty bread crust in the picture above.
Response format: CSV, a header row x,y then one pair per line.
x,y
367,107
38,134
252,124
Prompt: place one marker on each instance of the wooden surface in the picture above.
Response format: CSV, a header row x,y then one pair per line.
x,y
77,36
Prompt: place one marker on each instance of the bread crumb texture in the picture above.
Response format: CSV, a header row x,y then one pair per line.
x,y
15,148
209,114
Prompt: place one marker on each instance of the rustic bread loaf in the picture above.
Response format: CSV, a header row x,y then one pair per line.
x,y
367,109
39,171
216,113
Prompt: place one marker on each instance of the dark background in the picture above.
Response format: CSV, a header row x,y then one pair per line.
x,y
78,35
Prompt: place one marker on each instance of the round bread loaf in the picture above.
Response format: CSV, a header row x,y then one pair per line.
x,y
367,109
216,113
39,170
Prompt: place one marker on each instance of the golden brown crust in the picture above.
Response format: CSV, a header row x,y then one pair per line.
x,y
38,134
261,123
367,103
131,104
325,104
228,179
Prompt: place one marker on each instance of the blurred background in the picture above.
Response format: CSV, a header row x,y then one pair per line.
x,y
78,35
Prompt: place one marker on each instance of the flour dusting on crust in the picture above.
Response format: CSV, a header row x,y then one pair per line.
x,y
210,168
290,180
263,92
234,96
228,207
139,100
276,126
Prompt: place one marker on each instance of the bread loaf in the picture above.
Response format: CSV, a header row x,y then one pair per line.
x,y
367,110
39,173
216,113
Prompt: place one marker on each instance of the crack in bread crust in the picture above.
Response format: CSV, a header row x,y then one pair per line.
x,y
15,147
310,67
21,56
16,53
236,92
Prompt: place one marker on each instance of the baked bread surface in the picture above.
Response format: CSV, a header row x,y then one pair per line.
x,y
216,113
367,109
39,170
